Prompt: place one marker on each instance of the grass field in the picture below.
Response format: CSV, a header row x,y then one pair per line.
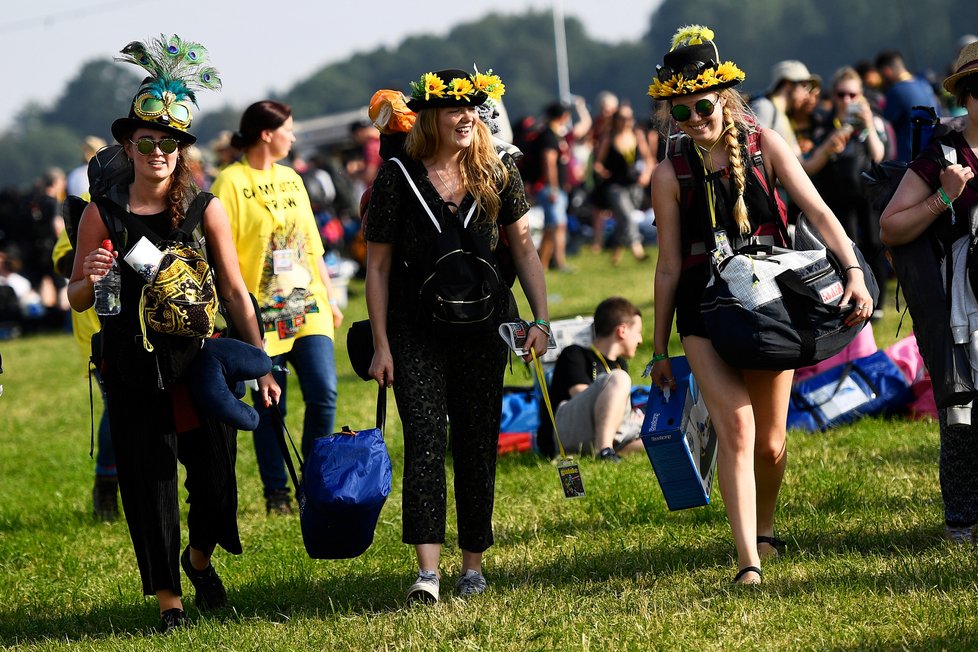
x,y
867,567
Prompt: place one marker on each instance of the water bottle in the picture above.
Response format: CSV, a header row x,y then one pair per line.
x,y
109,288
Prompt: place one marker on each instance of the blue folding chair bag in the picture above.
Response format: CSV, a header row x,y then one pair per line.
x,y
346,479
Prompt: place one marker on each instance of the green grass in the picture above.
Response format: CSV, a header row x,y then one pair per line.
x,y
861,508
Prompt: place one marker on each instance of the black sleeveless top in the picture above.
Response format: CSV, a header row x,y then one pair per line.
x,y
696,234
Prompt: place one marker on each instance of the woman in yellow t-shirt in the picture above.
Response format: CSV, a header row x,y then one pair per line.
x,y
281,257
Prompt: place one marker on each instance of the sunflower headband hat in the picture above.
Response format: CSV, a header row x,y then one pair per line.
x,y
164,100
693,65
454,87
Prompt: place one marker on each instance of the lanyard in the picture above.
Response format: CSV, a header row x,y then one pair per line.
x,y
601,358
542,379
710,194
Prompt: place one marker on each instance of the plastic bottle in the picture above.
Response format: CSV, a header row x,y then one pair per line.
x,y
108,289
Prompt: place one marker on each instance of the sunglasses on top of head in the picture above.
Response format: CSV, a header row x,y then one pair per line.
x,y
682,113
147,145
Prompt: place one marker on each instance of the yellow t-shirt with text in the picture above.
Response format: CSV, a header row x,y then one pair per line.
x,y
279,247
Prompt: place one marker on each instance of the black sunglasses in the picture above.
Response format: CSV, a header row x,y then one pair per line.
x,y
682,113
147,145
689,70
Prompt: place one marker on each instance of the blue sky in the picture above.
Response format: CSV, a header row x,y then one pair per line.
x,y
259,46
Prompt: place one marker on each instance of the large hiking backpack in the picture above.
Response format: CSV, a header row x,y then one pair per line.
x,y
461,287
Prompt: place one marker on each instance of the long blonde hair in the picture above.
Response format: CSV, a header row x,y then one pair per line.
x,y
737,119
482,171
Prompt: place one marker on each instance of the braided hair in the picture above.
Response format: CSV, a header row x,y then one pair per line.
x,y
732,143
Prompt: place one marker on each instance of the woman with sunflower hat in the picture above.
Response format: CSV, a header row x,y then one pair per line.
x,y
150,428
748,407
441,377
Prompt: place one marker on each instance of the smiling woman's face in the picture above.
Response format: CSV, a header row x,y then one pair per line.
x,y
456,126
701,128
157,164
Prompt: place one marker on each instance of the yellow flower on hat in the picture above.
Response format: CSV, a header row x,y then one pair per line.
x,y
430,84
691,35
461,88
489,84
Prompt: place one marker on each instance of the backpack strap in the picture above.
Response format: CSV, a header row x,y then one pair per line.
x,y
755,161
421,199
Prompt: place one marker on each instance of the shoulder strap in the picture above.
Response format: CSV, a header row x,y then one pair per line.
x,y
684,172
755,160
113,217
424,204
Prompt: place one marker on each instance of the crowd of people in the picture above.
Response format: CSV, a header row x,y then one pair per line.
x,y
711,164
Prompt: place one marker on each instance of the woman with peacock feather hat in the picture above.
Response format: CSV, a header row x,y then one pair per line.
x,y
153,425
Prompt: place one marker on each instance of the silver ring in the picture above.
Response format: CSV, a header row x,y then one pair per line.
x,y
861,306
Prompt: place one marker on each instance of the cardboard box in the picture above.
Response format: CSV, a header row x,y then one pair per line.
x,y
680,441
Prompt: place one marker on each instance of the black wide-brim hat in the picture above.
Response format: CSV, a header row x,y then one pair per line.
x,y
418,100
124,127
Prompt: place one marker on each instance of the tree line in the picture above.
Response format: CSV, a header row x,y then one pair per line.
x,y
825,34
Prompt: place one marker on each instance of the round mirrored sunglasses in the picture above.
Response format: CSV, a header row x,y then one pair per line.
x,y
147,146
682,113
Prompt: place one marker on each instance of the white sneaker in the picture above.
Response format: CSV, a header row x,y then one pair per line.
x,y
424,589
471,583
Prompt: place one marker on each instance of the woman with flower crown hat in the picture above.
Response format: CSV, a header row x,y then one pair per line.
x,y
447,377
748,407
150,432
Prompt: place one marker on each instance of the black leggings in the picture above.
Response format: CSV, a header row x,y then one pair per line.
x,y
437,381
147,449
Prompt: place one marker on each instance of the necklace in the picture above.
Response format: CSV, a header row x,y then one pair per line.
x,y
451,190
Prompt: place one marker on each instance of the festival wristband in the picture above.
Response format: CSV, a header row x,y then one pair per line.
x,y
943,196
659,356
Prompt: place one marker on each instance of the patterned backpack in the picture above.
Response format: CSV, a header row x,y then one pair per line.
x,y
180,299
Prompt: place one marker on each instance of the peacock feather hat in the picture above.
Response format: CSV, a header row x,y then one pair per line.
x,y
166,98
693,65
455,87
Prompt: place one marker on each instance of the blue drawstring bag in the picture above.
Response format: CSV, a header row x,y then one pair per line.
x,y
345,482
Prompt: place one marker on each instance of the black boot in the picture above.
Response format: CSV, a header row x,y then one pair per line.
x,y
105,504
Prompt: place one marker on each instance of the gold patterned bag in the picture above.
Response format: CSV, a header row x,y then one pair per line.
x,y
181,299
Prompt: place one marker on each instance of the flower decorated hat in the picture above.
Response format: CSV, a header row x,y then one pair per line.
x,y
165,99
454,87
693,65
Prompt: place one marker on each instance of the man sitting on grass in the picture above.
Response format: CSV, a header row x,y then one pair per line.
x,y
591,388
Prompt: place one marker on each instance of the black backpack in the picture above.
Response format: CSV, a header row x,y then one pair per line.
x,y
460,286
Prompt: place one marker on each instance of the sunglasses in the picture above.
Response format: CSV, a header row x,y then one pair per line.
x,y
842,95
682,113
147,146
689,70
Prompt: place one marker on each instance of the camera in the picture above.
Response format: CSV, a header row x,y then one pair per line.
x,y
853,116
